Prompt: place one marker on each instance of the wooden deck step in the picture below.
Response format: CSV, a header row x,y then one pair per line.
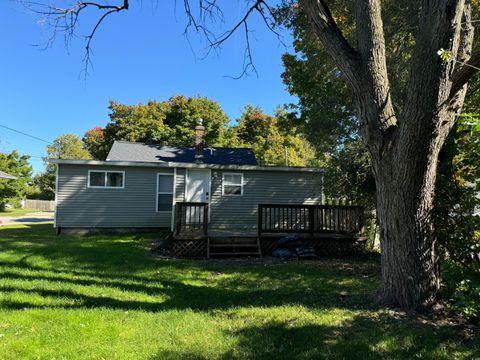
x,y
234,248
233,245
236,253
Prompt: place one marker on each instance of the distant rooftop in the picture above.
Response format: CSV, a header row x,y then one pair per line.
x,y
133,151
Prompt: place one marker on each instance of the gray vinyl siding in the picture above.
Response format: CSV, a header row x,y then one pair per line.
x,y
132,207
180,185
269,187
135,206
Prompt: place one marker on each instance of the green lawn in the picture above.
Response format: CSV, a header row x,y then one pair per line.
x,y
16,212
105,297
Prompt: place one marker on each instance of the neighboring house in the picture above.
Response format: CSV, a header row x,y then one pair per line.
x,y
4,175
142,185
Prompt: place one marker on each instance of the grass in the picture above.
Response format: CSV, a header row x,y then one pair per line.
x,y
16,212
105,297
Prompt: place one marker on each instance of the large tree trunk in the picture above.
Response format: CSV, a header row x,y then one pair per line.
x,y
404,147
405,189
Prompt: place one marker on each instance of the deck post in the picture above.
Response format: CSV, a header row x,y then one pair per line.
x,y
178,219
205,219
311,219
260,219
361,221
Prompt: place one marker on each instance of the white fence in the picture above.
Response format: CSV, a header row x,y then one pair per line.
x,y
41,205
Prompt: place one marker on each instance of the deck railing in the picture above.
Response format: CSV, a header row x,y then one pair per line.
x,y
286,218
191,217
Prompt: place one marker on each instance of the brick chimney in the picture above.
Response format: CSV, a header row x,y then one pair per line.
x,y
199,141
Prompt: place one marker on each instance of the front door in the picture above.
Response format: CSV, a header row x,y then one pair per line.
x,y
198,185
197,190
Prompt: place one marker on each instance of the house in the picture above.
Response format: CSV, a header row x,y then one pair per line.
x,y
147,186
4,175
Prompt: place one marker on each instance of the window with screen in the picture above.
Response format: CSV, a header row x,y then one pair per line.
x,y
232,184
165,192
106,179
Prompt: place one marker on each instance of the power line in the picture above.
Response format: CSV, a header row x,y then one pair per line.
x,y
9,146
25,134
22,152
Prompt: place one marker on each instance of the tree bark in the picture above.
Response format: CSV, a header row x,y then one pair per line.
x,y
404,147
406,174
405,189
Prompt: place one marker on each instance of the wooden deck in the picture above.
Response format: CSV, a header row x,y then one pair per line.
x,y
212,234
319,223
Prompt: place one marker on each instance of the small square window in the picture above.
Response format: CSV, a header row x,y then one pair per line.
x,y
114,179
97,178
165,183
232,184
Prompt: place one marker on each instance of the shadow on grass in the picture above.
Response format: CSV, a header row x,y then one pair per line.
x,y
361,337
59,266
40,270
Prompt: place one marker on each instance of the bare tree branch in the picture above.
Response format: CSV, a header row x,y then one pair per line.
x,y
267,15
247,58
65,20
207,9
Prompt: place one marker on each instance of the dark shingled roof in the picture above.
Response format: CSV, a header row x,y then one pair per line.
x,y
4,175
132,151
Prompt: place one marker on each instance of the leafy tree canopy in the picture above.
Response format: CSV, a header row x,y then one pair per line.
x,y
458,200
170,122
66,146
270,137
18,166
94,140
325,109
173,122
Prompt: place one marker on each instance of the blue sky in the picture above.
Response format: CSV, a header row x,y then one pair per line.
x,y
138,55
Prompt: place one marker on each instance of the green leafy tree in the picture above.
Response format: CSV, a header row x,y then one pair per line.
x,y
326,109
382,82
457,216
458,225
66,146
267,136
348,175
18,166
43,186
95,143
168,122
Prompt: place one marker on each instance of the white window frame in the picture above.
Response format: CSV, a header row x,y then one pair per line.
x,y
223,183
106,172
173,175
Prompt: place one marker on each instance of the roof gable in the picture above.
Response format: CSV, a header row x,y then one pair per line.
x,y
132,151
